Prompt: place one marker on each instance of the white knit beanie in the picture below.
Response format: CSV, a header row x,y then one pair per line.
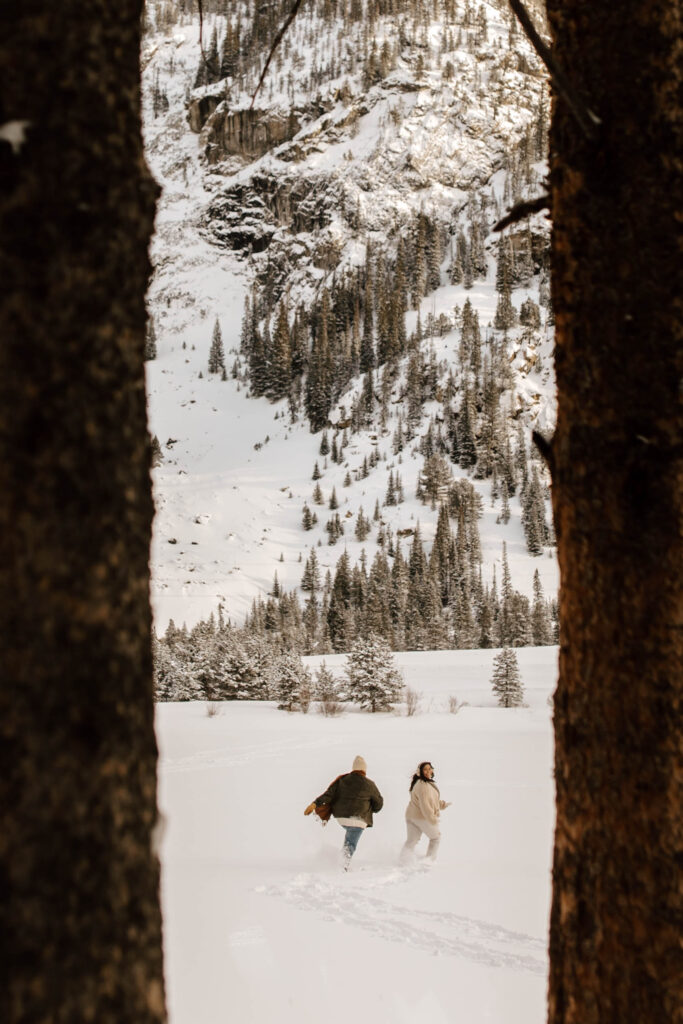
x,y
359,764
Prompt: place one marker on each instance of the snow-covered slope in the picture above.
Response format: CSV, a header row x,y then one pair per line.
x,y
236,471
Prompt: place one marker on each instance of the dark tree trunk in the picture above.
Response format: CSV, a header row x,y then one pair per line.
x,y
617,475
78,764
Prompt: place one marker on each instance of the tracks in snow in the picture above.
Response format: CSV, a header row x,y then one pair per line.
x,y
438,932
233,757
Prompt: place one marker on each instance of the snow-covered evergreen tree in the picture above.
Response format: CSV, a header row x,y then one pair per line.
x,y
506,680
533,516
310,581
293,682
326,691
363,526
540,618
374,681
216,352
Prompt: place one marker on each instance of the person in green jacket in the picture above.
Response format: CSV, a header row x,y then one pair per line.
x,y
353,799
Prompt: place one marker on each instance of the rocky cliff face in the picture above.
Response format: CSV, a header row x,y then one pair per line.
x,y
361,123
353,203
245,133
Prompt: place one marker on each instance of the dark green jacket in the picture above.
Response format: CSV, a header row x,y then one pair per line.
x,y
353,796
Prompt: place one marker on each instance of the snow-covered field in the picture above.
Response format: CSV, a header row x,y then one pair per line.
x,y
261,924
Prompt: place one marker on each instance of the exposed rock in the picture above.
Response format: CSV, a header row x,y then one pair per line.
x,y
247,215
203,103
247,133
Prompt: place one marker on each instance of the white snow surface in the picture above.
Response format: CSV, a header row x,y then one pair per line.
x,y
262,925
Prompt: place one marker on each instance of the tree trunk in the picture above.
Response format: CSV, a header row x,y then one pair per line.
x,y
78,762
617,476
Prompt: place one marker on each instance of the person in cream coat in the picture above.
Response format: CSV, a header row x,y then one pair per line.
x,y
423,813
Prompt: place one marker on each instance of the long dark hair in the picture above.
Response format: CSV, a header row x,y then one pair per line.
x,y
419,775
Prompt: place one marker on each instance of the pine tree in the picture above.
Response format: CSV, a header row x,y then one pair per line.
x,y
505,509
292,681
150,340
299,344
326,690
418,265
435,477
487,614
434,256
530,314
390,498
505,618
533,516
367,350
156,453
359,584
439,559
373,680
520,630
362,528
310,581
280,369
466,444
230,52
506,681
504,265
340,615
540,618
216,352
415,387
246,333
319,384
307,518
506,315
213,64
258,368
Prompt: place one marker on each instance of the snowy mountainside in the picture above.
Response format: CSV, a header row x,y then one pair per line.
x,y
291,195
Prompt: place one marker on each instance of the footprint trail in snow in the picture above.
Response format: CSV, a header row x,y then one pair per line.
x,y
439,932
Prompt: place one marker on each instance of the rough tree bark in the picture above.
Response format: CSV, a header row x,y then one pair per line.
x,y
78,764
617,481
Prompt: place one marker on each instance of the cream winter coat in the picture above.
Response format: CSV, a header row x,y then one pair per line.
x,y
425,803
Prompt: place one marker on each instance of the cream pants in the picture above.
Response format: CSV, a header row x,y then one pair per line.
x,y
415,831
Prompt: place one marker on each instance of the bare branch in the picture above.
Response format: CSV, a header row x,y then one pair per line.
x,y
585,118
545,447
276,42
201,25
520,211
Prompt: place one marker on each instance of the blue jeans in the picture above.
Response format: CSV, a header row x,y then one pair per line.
x,y
353,834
